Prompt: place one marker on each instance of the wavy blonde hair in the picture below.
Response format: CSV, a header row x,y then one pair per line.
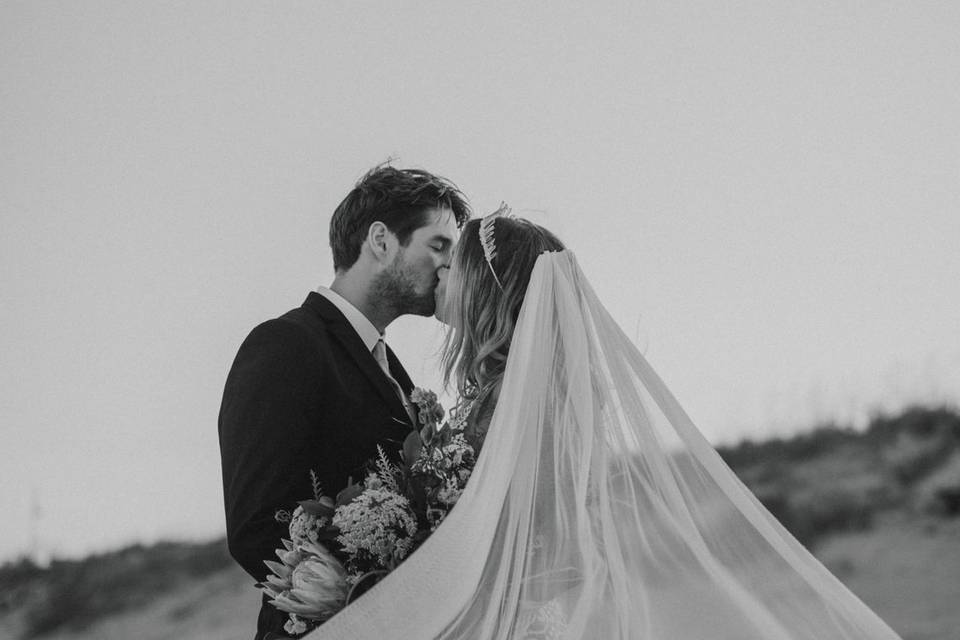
x,y
480,315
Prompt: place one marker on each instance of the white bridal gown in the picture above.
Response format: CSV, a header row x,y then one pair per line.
x,y
598,511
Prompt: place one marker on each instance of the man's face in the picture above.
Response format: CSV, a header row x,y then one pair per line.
x,y
416,270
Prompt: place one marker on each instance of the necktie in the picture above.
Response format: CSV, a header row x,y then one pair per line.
x,y
380,354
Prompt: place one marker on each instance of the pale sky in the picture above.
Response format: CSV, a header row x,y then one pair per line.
x,y
766,197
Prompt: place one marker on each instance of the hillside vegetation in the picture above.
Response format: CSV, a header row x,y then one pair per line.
x,y
879,507
836,479
72,594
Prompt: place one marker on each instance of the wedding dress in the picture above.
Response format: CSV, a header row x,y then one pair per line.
x,y
598,511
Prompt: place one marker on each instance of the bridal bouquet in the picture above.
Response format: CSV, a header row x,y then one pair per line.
x,y
340,547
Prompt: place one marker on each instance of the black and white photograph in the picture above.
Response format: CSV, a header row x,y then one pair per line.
x,y
497,321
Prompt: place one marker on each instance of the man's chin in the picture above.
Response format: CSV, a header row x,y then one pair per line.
x,y
423,307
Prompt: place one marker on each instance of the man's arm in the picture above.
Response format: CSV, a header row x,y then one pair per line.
x,y
270,415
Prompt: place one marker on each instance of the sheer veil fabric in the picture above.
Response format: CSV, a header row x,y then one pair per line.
x,y
597,510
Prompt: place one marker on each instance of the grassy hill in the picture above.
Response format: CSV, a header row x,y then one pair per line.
x,y
835,479
71,598
880,507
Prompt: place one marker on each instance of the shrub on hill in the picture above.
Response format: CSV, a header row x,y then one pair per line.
x,y
72,594
838,479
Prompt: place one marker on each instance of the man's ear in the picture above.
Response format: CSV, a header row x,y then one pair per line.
x,y
382,242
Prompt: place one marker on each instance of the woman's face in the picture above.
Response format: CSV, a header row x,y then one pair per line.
x,y
449,287
440,293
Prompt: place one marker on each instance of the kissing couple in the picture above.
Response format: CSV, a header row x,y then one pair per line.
x,y
595,509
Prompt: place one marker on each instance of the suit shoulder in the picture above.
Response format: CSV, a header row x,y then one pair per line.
x,y
287,340
296,325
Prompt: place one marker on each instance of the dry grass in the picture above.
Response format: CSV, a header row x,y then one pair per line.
x,y
907,569
222,606
875,507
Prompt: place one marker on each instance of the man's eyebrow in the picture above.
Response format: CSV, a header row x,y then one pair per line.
x,y
443,239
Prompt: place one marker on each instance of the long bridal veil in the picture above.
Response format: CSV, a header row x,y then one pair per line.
x,y
597,510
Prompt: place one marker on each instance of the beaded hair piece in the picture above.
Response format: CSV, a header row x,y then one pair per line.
x,y
487,240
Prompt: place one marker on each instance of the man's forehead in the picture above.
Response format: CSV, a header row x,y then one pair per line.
x,y
441,216
441,223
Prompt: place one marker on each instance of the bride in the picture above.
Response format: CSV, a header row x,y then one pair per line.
x,y
596,510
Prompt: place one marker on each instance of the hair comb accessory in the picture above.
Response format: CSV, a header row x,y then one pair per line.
x,y
487,240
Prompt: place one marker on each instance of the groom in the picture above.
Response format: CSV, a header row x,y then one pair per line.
x,y
317,388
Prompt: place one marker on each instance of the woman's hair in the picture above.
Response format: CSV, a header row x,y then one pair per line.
x,y
480,314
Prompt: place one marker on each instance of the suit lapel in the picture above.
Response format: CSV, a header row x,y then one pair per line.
x,y
343,331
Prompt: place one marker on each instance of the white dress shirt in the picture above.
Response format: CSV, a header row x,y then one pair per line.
x,y
364,328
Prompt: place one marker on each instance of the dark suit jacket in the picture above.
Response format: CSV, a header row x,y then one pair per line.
x,y
304,393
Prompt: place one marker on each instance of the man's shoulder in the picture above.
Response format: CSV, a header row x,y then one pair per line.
x,y
308,323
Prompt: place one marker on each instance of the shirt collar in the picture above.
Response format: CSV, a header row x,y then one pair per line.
x,y
360,323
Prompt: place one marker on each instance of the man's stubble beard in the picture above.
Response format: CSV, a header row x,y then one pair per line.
x,y
395,289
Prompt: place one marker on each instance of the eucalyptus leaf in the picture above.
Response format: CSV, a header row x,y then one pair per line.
x,y
321,508
349,494
412,447
428,432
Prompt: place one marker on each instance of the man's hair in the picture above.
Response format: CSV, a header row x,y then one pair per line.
x,y
400,199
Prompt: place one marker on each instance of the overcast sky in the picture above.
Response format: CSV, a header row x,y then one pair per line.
x,y
767,198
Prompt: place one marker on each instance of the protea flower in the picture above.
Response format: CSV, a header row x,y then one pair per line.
x,y
308,582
